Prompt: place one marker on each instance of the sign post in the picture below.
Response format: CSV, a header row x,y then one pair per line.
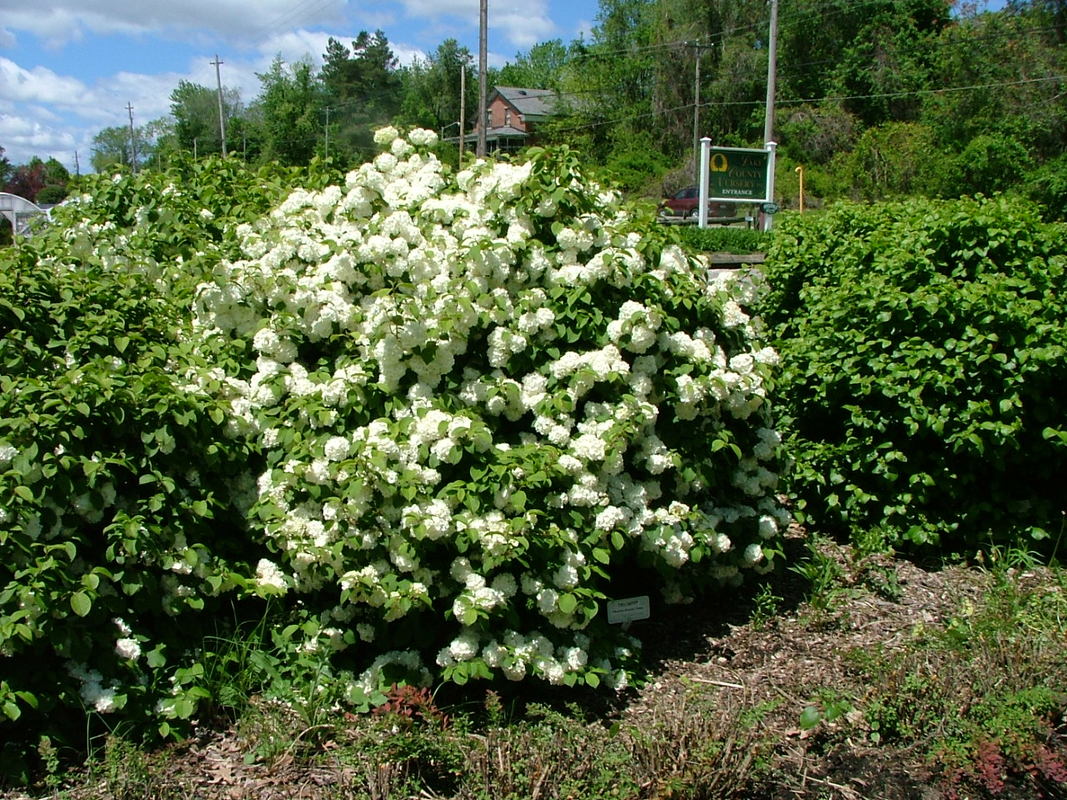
x,y
702,194
735,174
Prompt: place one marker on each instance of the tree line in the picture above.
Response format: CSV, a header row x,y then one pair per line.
x,y
302,113
875,98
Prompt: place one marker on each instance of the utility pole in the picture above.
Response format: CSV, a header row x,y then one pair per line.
x,y
133,140
698,48
462,109
222,115
483,47
77,166
772,71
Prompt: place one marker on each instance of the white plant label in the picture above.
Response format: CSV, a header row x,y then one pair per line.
x,y
629,609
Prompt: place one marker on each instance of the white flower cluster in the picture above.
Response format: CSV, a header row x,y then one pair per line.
x,y
126,646
7,453
517,655
102,699
428,383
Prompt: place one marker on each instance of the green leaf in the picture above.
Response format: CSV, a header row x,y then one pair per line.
x,y
810,717
24,492
156,658
184,708
567,603
81,603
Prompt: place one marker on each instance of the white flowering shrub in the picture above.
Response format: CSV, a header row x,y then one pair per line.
x,y
489,402
418,426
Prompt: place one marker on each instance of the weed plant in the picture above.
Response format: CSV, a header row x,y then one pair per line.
x,y
981,701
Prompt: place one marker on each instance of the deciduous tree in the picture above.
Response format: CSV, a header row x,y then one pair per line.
x,y
291,108
431,87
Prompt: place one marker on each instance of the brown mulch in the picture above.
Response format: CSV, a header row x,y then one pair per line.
x,y
801,655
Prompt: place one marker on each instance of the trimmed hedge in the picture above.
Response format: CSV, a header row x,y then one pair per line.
x,y
723,240
923,369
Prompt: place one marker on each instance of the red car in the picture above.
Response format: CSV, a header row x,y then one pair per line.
x,y
683,203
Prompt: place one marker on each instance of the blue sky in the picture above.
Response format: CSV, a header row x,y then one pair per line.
x,y
68,68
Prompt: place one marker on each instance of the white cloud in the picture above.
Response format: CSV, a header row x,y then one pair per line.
x,y
47,114
406,54
44,114
54,106
422,9
522,27
61,21
522,23
23,138
38,85
294,46
148,94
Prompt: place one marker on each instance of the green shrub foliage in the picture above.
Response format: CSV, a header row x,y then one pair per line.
x,y
1047,185
723,239
122,535
419,425
991,163
923,364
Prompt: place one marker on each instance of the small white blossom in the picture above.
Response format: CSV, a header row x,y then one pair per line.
x,y
128,649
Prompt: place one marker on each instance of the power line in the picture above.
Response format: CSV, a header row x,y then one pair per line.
x,y
758,25
907,93
793,67
806,101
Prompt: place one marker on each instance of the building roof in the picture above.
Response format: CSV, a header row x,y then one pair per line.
x,y
503,132
533,104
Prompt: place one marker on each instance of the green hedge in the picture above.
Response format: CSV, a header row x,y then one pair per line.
x,y
923,369
724,240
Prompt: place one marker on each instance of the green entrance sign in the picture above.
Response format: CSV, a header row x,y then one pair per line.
x,y
738,174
